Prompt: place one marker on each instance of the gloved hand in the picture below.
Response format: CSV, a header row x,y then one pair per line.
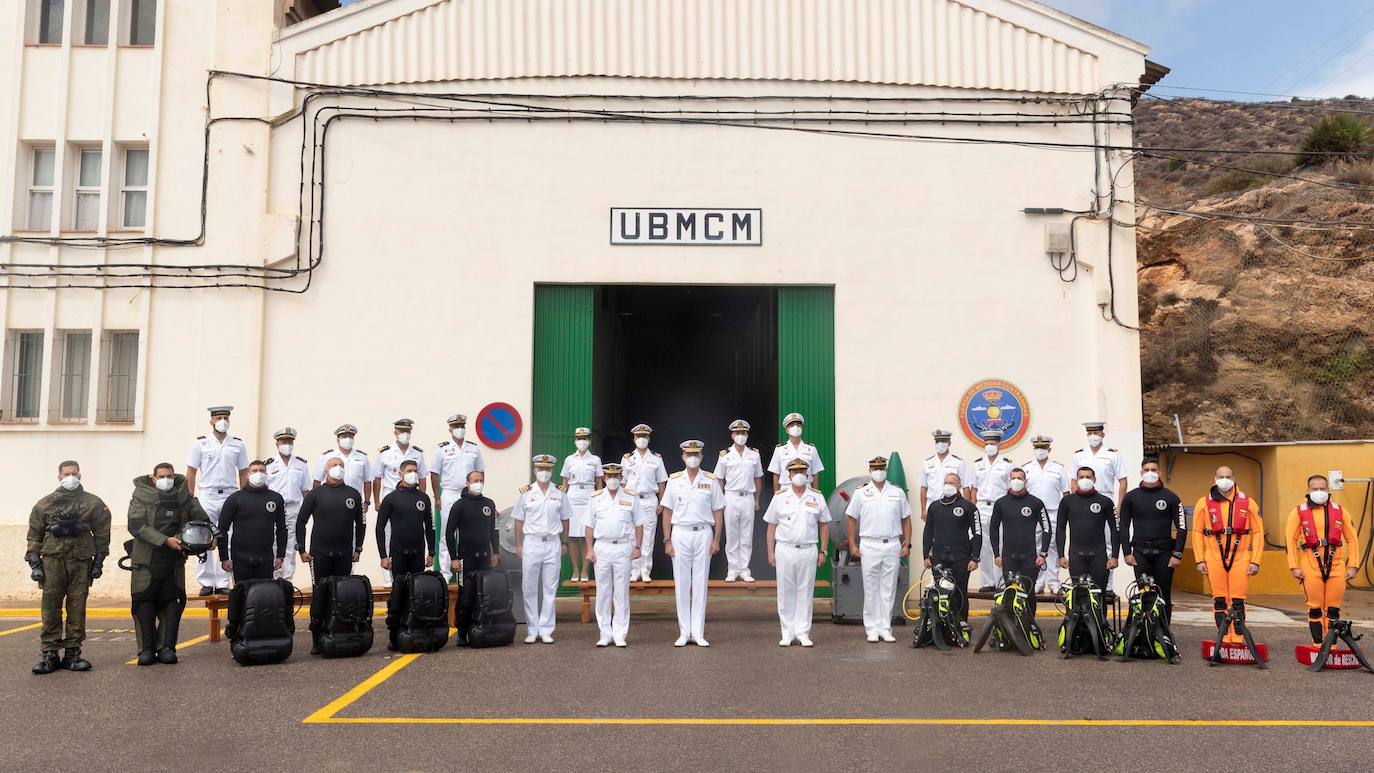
x,y
36,567
97,567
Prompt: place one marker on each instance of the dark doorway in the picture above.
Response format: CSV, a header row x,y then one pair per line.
x,y
686,360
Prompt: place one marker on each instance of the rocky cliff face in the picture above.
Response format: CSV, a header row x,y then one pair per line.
x,y
1253,331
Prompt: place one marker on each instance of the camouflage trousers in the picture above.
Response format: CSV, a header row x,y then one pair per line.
x,y
67,581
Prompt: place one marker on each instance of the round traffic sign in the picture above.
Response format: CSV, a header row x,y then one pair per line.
x,y
499,425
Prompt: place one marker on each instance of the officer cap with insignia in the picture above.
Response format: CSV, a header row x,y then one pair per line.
x,y
1094,426
941,434
793,418
877,463
798,465
642,429
220,410
739,425
458,420
692,446
345,429
582,432
991,435
405,424
1041,441
284,432
543,461
611,469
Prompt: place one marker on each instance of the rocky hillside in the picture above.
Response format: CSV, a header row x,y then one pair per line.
x,y
1254,332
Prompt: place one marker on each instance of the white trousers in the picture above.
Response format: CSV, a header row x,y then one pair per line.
x,y
1049,576
288,561
612,571
691,563
880,563
988,573
448,498
739,531
540,564
645,508
209,572
796,566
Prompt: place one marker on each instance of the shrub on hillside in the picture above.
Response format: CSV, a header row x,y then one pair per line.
x,y
1336,137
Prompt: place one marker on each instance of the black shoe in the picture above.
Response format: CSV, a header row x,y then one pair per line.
x,y
72,660
146,658
167,655
48,664
391,647
987,589
206,590
222,591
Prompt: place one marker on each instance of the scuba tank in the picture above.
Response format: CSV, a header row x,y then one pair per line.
x,y
939,624
1146,635
1085,629
1010,624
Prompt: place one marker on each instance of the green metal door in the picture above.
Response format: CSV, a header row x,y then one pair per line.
x,y
806,376
562,394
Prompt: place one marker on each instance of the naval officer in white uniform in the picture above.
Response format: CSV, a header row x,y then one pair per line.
x,y
794,517
739,470
693,517
448,476
216,467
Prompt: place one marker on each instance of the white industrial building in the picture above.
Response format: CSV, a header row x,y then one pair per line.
x,y
602,212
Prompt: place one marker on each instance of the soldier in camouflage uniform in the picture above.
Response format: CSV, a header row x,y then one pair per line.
x,y
69,537
161,505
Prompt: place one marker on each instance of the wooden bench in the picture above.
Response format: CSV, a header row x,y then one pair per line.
x,y
665,587
219,603
1112,600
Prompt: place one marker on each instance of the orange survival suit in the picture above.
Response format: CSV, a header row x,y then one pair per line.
x,y
1228,536
1322,543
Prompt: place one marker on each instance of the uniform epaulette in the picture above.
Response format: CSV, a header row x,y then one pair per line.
x,y
630,492
1079,451
360,451
384,449
724,451
955,456
443,443
625,455
780,445
239,439
524,488
303,459
1113,450
710,475
658,454
677,474
327,452
200,437
469,443
417,448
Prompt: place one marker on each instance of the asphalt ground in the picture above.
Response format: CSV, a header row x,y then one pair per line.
x,y
744,703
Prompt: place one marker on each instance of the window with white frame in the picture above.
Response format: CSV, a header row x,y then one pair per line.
x,y
119,375
142,22
86,212
95,23
49,13
71,360
42,164
22,375
133,190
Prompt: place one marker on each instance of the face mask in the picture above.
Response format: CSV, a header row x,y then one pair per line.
x,y
1150,477
798,479
641,443
346,443
795,430
582,444
543,476
163,484
741,439
411,478
1094,441
1086,484
1041,454
1225,484
878,476
458,432
336,472
222,426
285,449
1319,496
475,487
941,447
1018,485
990,449
613,484
71,483
257,478
403,438
692,462
949,490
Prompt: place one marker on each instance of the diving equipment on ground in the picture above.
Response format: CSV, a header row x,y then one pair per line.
x,y
1146,635
1085,630
940,624
1011,624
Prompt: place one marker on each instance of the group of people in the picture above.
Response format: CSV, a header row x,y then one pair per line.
x,y
1033,519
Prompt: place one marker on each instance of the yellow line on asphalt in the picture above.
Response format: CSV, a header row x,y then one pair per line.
x,y
327,713
322,717
180,646
20,629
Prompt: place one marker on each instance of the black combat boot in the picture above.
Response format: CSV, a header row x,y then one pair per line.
x,y
48,664
72,660
146,657
167,655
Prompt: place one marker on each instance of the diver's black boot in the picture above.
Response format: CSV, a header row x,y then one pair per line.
x,y
146,658
167,655
48,664
72,660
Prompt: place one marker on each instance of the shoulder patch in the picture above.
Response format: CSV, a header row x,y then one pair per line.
x,y
443,443
677,474
384,449
523,489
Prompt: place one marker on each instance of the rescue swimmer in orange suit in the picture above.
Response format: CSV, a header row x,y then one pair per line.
x,y
1323,554
1228,538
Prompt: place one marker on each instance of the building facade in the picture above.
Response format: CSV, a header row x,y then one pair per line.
x,y
600,213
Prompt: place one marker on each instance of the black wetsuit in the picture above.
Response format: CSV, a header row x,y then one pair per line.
x,y
339,532
1153,530
1085,517
255,521
952,538
410,514
1011,530
470,532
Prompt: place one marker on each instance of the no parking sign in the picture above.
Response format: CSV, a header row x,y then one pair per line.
x,y
499,425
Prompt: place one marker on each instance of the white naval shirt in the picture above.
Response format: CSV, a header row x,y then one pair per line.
x,y
879,512
613,515
453,462
934,470
581,469
387,468
1106,463
217,464
542,512
786,452
693,500
357,470
994,477
1047,483
291,478
737,470
643,472
798,516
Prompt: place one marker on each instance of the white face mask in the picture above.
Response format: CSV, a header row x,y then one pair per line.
x,y
878,476
458,432
949,490
475,487
1041,454
692,462
543,476
641,443
1095,440
257,478
1017,485
164,484
795,430
411,478
222,426
1225,484
741,439
613,484
285,449
1319,496
346,443
582,444
1151,477
941,447
71,483
336,472
1086,484
990,449
798,479
403,438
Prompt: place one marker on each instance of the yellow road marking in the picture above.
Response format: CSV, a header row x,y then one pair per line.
x,y
322,717
180,646
20,629
327,713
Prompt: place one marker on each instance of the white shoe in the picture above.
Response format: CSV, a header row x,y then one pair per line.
x,y
603,642
731,577
681,641
621,643
532,638
546,638
747,577
872,636
785,641
648,577
805,641
700,642
885,636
